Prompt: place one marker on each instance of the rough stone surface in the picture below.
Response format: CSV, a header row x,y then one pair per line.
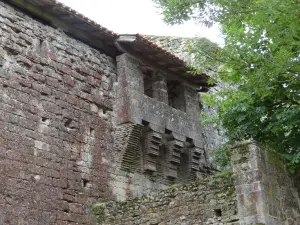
x,y
78,126
155,141
55,123
266,193
62,132
209,201
213,138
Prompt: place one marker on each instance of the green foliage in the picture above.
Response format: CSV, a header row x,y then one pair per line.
x,y
203,53
259,64
222,157
99,211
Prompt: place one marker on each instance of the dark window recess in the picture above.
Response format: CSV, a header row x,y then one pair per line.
x,y
92,132
176,95
148,83
218,212
85,183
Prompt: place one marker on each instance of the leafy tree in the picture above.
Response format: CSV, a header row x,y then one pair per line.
x,y
260,61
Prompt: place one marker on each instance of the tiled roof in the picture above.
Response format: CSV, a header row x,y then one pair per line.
x,y
86,19
154,45
154,56
176,45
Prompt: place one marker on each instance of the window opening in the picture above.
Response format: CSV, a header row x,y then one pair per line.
x,y
218,212
176,95
148,83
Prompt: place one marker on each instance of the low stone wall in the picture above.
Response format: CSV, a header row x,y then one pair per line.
x,y
209,201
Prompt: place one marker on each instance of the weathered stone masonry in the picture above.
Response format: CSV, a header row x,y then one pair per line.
x,y
160,125
209,201
266,192
64,142
259,191
55,118
88,116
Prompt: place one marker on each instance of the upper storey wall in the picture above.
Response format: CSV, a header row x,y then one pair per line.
x,y
158,124
136,106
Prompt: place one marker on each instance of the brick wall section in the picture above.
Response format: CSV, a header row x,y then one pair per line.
x,y
266,193
55,123
210,201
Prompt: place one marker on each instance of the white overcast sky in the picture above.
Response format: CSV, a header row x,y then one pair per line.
x,y
137,16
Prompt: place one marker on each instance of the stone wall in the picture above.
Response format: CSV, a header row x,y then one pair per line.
x,y
261,191
61,141
55,123
213,137
208,201
157,144
75,126
266,193
134,106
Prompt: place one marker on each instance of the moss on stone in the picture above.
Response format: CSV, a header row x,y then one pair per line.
x,y
99,211
170,187
243,150
277,161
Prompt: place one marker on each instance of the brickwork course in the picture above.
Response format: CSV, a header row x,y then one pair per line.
x,y
90,117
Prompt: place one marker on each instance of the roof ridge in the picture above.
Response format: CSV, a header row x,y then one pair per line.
x,y
116,35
